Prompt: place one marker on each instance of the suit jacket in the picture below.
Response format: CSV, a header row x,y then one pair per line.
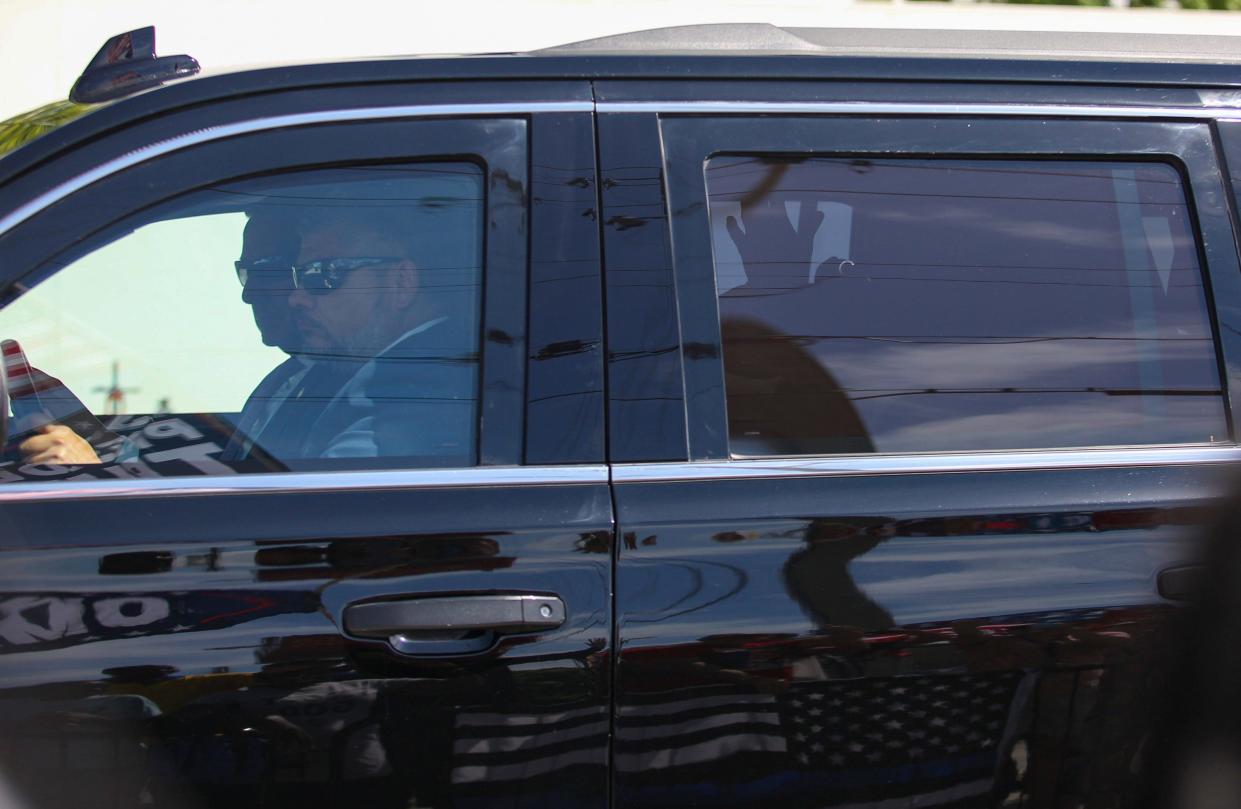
x,y
417,400
257,410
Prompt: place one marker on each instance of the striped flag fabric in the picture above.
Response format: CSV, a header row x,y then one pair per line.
x,y
498,748
23,378
922,741
897,742
678,728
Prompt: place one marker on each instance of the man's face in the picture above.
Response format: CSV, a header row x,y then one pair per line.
x,y
366,312
267,290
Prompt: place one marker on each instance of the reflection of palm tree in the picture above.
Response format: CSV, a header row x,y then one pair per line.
x,y
21,129
781,399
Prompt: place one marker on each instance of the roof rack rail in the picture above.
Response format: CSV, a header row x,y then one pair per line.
x,y
126,64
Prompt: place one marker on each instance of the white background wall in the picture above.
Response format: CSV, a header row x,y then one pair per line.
x,y
44,44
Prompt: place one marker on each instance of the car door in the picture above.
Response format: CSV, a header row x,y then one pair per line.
x,y
313,558
956,387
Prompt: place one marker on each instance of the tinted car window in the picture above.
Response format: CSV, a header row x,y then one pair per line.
x,y
317,319
914,305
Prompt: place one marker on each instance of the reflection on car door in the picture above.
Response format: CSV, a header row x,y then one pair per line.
x,y
811,606
199,640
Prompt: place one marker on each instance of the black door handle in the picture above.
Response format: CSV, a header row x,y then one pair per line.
x,y
452,624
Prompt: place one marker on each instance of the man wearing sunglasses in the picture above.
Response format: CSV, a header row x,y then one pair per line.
x,y
386,377
269,246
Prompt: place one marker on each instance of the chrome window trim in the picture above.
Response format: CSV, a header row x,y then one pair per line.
x,y
853,465
214,133
299,482
154,150
741,469
913,108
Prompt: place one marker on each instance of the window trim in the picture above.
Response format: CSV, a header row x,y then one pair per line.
x,y
928,463
214,133
307,482
501,146
689,142
1205,113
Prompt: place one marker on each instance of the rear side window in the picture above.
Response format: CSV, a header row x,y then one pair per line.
x,y
912,305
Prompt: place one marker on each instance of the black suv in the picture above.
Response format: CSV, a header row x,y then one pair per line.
x,y
731,417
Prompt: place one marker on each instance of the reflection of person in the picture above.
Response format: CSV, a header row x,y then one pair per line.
x,y
818,577
782,399
776,255
381,383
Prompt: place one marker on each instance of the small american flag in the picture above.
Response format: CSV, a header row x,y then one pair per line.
x,y
23,378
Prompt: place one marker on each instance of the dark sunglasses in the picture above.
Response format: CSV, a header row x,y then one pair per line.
x,y
322,276
268,272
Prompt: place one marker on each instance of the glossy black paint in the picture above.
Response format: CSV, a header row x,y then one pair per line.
x,y
564,417
739,604
515,74
187,650
812,640
646,415
1227,304
813,613
191,651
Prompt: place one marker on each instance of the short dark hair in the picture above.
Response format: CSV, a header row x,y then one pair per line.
x,y
286,221
389,223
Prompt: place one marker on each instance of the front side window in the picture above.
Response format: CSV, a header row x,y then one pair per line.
x,y
309,320
914,305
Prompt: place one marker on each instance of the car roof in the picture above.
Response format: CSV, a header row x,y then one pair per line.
x,y
758,51
762,38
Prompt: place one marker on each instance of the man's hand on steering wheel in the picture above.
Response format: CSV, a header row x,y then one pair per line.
x,y
57,444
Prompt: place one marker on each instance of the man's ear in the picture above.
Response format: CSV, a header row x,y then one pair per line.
x,y
405,284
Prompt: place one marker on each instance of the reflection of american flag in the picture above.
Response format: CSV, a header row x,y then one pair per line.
x,y
688,726
23,378
933,737
498,747
910,741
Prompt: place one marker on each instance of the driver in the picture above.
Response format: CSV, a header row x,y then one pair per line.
x,y
269,247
